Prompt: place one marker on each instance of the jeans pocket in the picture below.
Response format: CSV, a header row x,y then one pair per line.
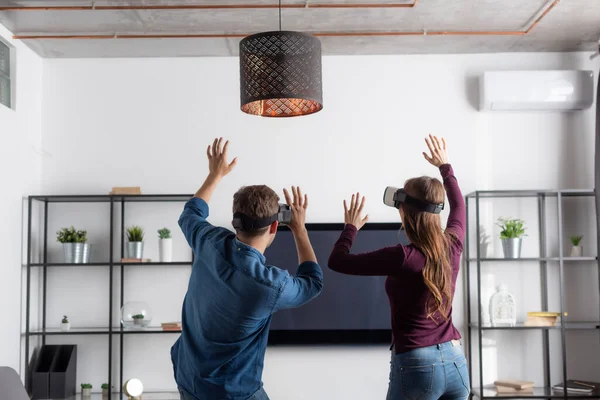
x,y
463,372
416,381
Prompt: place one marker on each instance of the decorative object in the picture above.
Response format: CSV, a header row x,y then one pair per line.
x,y
135,244
105,389
133,389
280,74
576,250
165,245
484,244
136,315
512,233
118,190
502,307
75,248
86,390
65,325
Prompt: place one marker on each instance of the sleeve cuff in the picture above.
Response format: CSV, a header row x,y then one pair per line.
x,y
446,169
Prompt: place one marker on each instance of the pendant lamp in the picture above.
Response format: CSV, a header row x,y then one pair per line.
x,y
280,73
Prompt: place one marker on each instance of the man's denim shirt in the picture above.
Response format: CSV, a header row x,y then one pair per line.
x,y
227,310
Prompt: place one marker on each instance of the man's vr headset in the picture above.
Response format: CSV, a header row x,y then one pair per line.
x,y
393,197
243,222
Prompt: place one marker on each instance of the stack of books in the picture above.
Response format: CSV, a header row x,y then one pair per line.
x,y
513,386
577,387
171,326
542,318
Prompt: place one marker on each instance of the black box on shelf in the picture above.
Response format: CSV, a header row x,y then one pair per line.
x,y
54,374
63,380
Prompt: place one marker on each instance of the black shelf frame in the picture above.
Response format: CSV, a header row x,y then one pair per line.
x,y
109,330
544,260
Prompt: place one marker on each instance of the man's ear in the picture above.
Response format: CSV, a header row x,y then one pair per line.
x,y
273,228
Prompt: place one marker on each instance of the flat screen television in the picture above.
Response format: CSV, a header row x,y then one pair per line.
x,y
350,309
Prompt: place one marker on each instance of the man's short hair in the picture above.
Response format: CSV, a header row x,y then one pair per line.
x,y
258,201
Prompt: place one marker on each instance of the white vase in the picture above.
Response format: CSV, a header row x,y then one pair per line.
x,y
576,251
86,392
503,311
65,326
165,250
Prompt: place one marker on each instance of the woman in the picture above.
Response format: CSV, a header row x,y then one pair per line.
x,y
427,358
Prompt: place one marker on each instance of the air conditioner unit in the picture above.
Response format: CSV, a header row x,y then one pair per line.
x,y
536,90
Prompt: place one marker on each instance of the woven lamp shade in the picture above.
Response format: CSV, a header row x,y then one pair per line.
x,y
280,74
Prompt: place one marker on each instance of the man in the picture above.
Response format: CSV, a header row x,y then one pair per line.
x,y
232,293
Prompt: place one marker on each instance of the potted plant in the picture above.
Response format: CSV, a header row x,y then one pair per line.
x,y
576,250
138,319
75,246
105,389
65,325
86,389
511,235
135,245
165,245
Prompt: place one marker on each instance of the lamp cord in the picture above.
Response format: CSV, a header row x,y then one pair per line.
x,y
280,15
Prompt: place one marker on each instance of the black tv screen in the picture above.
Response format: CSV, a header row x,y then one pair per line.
x,y
350,309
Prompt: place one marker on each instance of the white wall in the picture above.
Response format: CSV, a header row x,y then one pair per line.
x,y
20,163
121,122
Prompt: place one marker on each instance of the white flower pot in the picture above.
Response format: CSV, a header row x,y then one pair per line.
x,y
105,393
576,251
65,326
86,392
165,250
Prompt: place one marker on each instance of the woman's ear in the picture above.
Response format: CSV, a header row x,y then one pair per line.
x,y
273,228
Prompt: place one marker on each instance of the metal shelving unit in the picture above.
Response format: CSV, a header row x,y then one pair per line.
x,y
544,261
111,332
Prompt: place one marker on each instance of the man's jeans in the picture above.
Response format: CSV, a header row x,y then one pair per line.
x,y
260,395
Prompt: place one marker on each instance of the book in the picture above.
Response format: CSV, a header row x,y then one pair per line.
x,y
514,384
577,386
510,390
171,326
541,321
136,260
125,190
544,314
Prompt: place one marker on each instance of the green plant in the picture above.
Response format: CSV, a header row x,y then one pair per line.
x,y
65,320
138,316
135,233
164,233
86,385
71,235
576,240
512,228
104,386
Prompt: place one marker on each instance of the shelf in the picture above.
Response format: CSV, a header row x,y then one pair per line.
x,y
135,198
115,396
487,194
538,393
116,263
100,331
521,326
531,259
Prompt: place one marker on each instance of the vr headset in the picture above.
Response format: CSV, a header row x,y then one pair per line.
x,y
393,197
243,222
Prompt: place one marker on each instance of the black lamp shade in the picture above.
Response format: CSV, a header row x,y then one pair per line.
x,y
280,74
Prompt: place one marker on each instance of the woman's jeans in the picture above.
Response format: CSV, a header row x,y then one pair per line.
x,y
259,395
435,372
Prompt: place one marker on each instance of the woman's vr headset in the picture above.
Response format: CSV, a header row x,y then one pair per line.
x,y
243,222
393,197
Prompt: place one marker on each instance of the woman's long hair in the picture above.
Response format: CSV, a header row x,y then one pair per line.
x,y
425,232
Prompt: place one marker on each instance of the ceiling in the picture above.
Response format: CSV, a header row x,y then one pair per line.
x,y
428,27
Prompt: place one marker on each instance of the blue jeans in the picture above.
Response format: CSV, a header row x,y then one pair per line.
x,y
259,395
435,372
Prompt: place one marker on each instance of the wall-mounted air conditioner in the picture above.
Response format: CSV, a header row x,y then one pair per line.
x,y
536,90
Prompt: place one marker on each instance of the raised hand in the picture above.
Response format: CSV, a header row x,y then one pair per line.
x,y
299,204
437,148
217,159
353,215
